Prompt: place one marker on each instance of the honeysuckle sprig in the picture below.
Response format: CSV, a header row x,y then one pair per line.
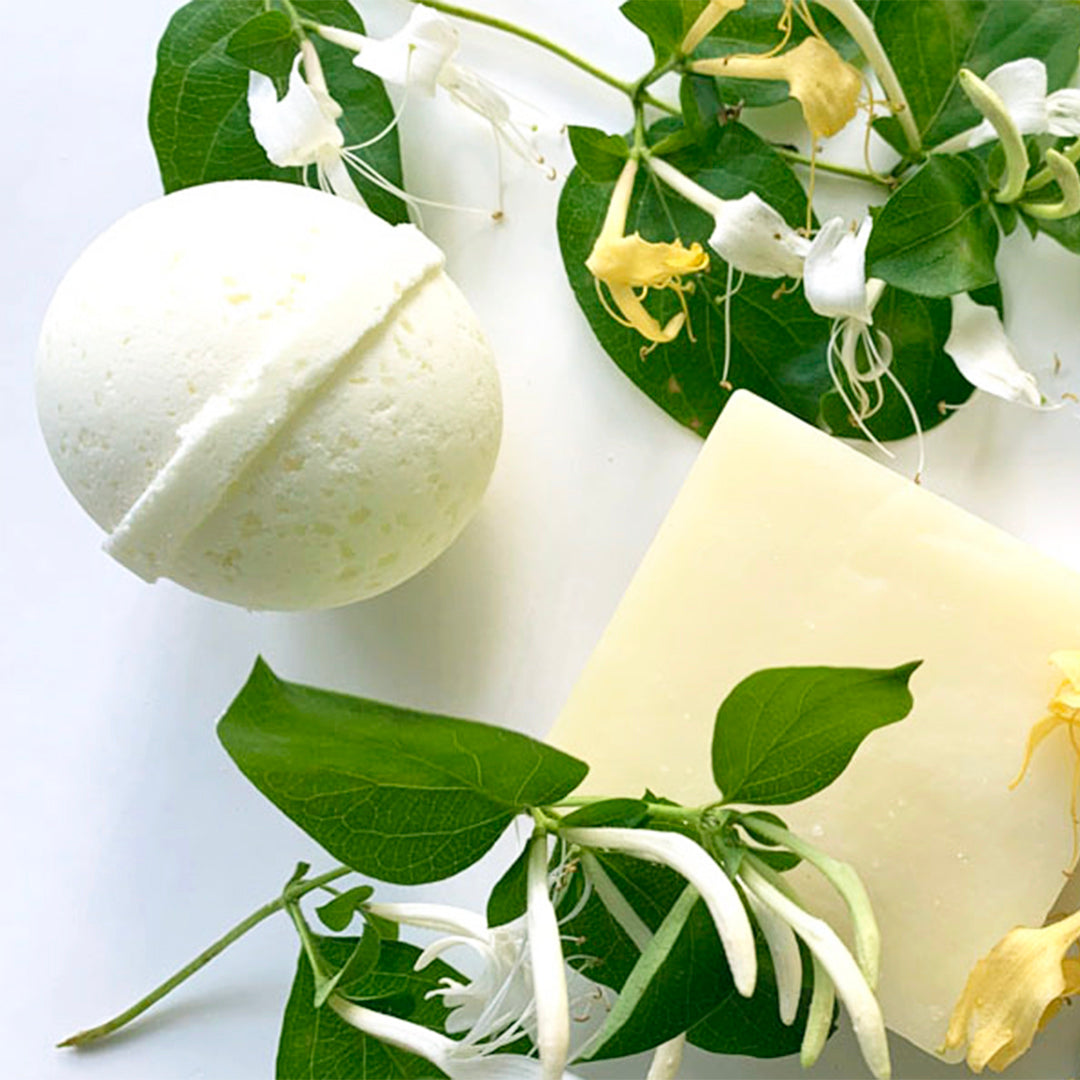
x,y
987,100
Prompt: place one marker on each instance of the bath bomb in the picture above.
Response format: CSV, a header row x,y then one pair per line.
x,y
269,395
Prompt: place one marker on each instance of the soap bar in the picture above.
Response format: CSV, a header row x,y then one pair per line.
x,y
786,547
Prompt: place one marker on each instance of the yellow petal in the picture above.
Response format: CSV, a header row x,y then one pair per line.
x,y
1067,661
635,315
630,260
825,84
1039,732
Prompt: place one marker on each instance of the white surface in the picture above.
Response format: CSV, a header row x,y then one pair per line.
x,y
131,839
785,547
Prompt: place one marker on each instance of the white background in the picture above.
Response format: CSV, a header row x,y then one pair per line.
x,y
130,841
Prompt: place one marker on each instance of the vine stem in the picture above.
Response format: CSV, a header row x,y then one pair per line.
x,y
838,170
291,892
542,42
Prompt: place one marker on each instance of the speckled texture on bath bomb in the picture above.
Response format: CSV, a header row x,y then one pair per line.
x,y
269,395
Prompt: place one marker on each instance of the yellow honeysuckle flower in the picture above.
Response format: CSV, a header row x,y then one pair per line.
x,y
714,12
825,84
1013,991
629,266
1064,709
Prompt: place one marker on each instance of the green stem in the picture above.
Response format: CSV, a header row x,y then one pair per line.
x,y
838,170
291,893
536,39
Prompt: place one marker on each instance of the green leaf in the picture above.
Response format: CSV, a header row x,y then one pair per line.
x,y
785,733
397,794
700,102
354,971
265,43
1066,231
936,236
600,156
608,813
928,41
754,29
198,102
665,22
315,1044
917,328
778,343
508,898
338,913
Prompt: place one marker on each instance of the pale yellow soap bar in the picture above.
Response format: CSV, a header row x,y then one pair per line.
x,y
786,547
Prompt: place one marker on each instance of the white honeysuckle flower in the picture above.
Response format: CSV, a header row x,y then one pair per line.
x,y
819,1016
703,872
667,1059
420,56
850,983
548,967
1021,86
301,129
834,274
985,356
455,1059
748,234
785,955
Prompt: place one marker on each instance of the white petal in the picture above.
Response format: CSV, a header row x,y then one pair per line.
x,y
786,959
405,1035
1063,109
295,129
755,239
441,917
1021,84
984,354
548,969
416,55
851,985
667,1059
498,1067
834,277
704,873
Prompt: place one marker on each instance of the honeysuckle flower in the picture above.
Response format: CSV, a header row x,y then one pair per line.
x,y
834,274
1020,86
1063,171
1063,711
984,354
301,129
748,233
548,968
987,100
629,266
784,952
456,1060
420,57
667,1059
858,24
1012,991
818,1017
849,982
707,21
703,872
826,86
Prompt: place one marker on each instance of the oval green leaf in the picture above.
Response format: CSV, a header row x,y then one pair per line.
x,y
785,733
397,794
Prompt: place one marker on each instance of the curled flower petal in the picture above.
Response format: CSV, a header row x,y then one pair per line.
x,y
296,130
1021,85
1010,991
703,872
825,85
629,265
1063,112
984,354
850,983
987,100
784,952
441,917
834,278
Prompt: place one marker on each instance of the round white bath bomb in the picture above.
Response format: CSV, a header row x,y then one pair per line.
x,y
269,395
